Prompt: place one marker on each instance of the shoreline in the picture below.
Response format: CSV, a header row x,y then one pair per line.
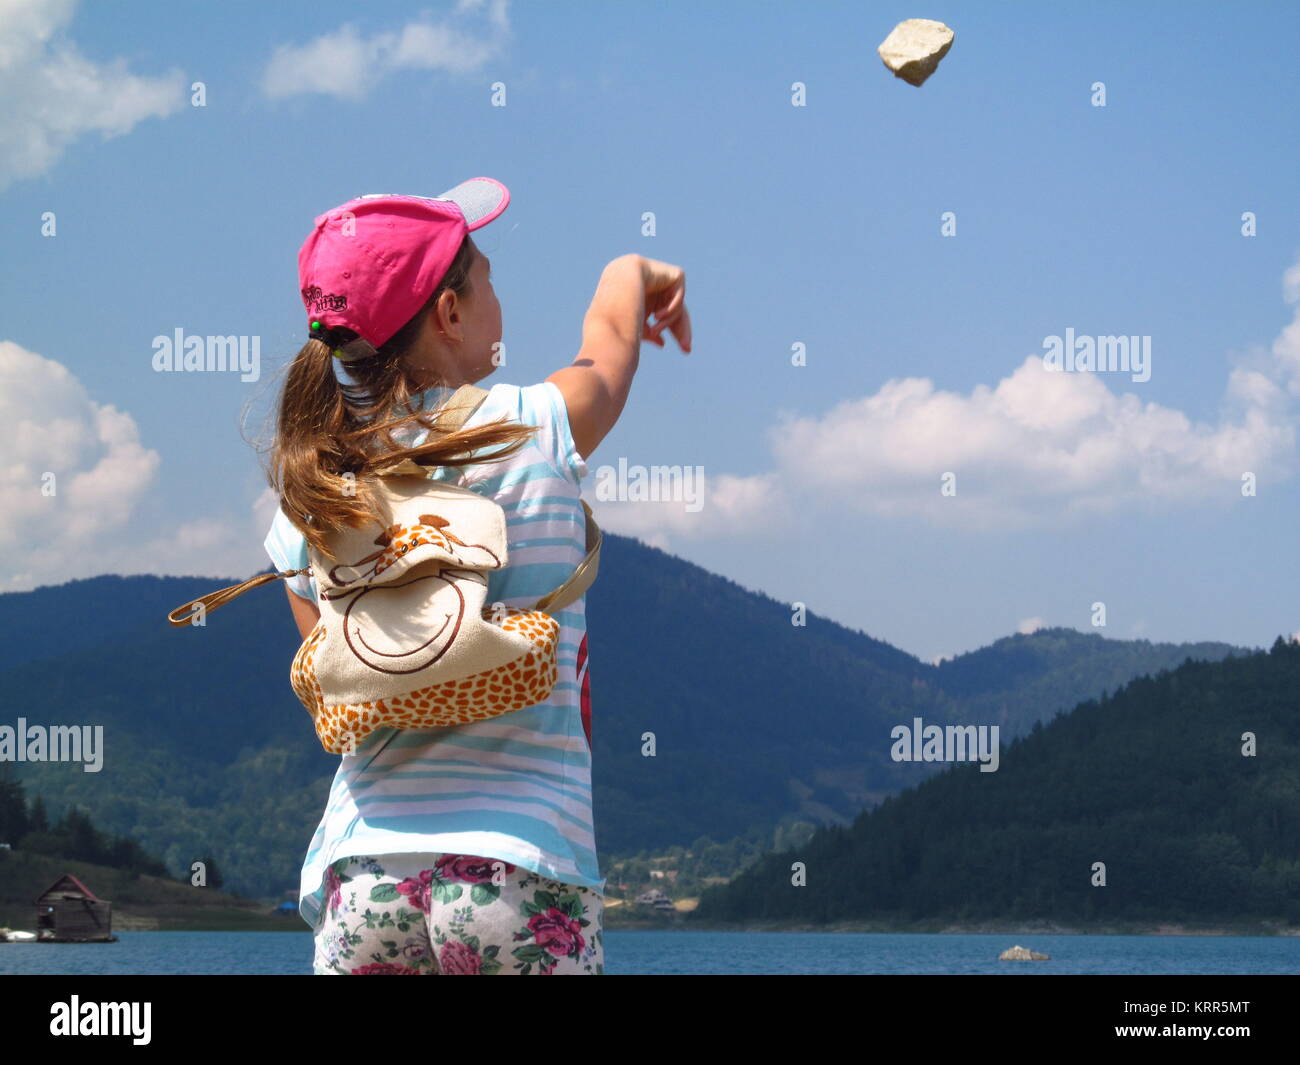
x,y
292,923
990,928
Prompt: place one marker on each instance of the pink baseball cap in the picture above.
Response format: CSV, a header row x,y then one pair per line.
x,y
372,262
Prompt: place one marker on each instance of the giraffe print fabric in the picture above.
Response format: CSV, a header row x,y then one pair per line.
x,y
515,685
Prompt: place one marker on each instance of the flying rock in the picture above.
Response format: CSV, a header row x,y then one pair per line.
x,y
914,47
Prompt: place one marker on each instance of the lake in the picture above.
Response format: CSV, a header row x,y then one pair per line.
x,y
678,953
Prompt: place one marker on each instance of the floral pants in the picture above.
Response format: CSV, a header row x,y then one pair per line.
x,y
454,914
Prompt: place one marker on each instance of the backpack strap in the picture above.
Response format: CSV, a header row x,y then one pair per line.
x,y
462,403
580,580
222,596
451,416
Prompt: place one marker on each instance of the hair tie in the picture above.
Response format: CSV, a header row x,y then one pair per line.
x,y
316,333
349,350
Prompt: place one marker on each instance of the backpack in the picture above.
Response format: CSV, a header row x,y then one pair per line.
x,y
406,639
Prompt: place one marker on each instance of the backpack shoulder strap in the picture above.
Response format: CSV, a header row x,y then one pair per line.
x,y
580,580
462,403
450,416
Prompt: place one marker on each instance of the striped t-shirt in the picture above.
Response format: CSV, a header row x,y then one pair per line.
x,y
516,786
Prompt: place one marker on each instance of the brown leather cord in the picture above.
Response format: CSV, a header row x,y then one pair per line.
x,y
223,595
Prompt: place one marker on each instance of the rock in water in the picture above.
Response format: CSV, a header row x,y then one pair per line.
x,y
914,47
1019,953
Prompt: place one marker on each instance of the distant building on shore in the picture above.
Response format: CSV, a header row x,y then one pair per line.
x,y
656,898
69,912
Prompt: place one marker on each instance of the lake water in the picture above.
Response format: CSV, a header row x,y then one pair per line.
x,y
676,953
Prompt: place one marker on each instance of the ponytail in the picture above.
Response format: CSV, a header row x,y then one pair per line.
x,y
331,436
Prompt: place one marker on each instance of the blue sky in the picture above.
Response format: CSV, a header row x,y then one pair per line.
x,y
816,225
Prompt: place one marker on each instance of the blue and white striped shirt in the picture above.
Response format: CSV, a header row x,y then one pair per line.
x,y
516,786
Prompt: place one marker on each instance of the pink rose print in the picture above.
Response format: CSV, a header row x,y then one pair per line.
x,y
333,889
417,889
384,968
469,868
456,959
414,952
557,933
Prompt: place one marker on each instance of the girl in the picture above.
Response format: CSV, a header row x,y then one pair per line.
x,y
464,850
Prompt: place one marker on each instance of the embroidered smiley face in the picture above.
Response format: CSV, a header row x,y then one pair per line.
x,y
408,622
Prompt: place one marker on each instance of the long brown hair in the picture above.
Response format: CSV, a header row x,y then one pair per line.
x,y
327,428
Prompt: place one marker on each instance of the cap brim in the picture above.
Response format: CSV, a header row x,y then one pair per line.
x,y
480,200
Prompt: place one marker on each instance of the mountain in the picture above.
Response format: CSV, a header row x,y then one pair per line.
x,y
756,721
1155,787
1014,680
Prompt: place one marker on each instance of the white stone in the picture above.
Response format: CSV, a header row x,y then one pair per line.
x,y
1019,953
914,47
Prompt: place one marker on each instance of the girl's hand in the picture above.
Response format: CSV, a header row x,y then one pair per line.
x,y
665,298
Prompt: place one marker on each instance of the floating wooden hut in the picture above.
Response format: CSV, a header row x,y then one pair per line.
x,y
69,912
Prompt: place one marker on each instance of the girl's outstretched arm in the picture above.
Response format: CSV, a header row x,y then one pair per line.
x,y
595,387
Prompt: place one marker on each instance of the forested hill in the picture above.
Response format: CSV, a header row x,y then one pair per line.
x,y
757,721
1152,782
1018,680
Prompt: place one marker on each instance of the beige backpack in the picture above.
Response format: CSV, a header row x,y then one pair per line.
x,y
406,637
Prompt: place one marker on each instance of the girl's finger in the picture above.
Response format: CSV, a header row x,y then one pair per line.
x,y
669,316
648,332
682,330
673,306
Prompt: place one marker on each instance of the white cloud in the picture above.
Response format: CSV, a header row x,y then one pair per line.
x,y
495,11
220,547
101,473
724,503
1029,626
1037,447
1037,444
53,95
1286,348
346,64
54,436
